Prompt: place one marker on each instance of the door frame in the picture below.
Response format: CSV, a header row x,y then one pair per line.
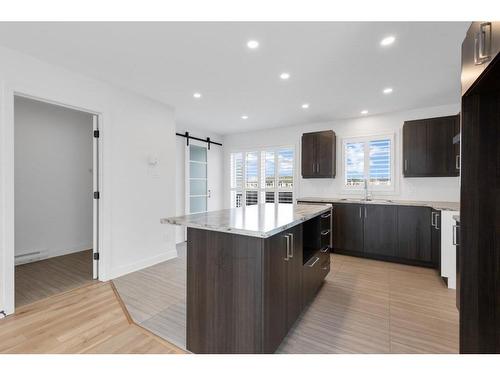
x,y
7,191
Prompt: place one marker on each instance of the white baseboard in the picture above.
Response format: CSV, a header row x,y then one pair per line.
x,y
47,254
123,270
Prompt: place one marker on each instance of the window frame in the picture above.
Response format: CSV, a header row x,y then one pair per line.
x,y
262,190
372,188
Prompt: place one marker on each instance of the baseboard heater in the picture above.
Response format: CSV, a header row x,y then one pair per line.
x,y
30,257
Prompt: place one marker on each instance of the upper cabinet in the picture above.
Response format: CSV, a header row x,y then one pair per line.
x,y
479,47
318,154
428,149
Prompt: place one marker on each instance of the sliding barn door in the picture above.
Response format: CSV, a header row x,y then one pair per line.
x,y
197,193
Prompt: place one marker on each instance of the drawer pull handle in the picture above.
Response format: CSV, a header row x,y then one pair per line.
x,y
325,232
325,249
313,263
324,216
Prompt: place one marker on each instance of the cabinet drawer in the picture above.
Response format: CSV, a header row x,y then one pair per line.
x,y
324,256
326,220
314,271
325,238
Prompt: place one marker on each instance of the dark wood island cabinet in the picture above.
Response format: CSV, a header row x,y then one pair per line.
x,y
250,273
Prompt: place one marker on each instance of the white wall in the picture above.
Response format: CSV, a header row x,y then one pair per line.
x,y
434,189
215,174
133,196
53,178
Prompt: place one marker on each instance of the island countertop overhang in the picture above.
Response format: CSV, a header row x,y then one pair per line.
x,y
263,220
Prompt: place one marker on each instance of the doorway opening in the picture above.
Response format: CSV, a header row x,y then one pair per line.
x,y
56,199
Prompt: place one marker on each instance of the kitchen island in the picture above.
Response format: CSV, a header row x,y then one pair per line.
x,y
250,273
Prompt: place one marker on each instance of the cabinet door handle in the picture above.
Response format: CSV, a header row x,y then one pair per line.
x,y
287,247
365,212
457,162
406,165
290,248
455,227
481,50
360,212
437,220
324,216
433,217
315,261
325,232
325,249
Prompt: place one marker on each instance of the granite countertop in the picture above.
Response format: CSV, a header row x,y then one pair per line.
x,y
263,220
443,206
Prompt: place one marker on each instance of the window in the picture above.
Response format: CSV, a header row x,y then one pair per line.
x,y
369,158
262,176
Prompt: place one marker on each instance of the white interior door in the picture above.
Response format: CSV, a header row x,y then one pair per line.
x,y
197,193
95,185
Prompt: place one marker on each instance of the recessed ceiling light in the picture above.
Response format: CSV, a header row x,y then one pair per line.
x,y
244,117
284,75
364,112
387,90
305,105
197,95
253,44
387,41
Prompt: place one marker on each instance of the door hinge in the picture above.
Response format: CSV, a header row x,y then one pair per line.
x,y
96,195
96,133
96,256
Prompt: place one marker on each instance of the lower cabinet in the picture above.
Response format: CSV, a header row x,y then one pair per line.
x,y
406,234
282,285
348,227
314,272
414,234
380,230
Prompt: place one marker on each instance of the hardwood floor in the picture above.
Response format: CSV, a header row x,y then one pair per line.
x,y
89,319
156,298
38,280
364,306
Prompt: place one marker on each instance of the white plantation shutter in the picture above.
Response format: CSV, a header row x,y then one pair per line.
x,y
369,158
237,170
380,162
264,176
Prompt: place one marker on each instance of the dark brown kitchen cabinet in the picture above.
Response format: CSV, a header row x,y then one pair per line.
x,y
428,149
380,230
348,227
283,285
414,234
315,270
479,232
480,46
318,154
294,276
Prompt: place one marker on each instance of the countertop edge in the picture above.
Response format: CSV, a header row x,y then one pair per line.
x,y
173,221
442,206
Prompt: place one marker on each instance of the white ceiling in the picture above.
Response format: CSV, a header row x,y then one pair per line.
x,y
339,68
